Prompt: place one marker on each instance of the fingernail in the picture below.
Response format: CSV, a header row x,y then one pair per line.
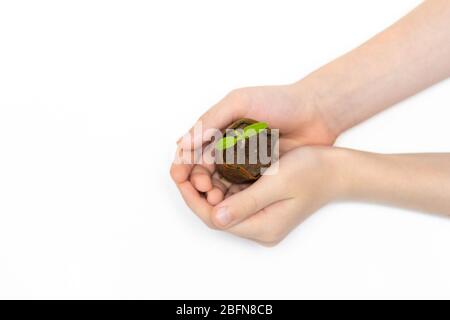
x,y
223,216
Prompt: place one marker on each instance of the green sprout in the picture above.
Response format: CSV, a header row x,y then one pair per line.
x,y
247,132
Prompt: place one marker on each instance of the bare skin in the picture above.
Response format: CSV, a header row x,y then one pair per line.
x,y
406,58
311,177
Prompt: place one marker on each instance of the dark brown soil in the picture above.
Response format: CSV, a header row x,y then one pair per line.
x,y
246,172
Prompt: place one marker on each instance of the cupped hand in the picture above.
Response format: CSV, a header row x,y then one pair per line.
x,y
290,108
303,180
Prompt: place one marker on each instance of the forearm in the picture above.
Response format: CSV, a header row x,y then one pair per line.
x,y
404,59
416,181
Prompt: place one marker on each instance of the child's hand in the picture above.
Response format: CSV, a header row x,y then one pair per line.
x,y
269,209
310,177
291,109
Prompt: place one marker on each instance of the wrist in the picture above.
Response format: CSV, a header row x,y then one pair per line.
x,y
322,121
341,165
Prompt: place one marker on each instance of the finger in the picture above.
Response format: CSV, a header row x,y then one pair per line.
x,y
196,202
181,166
201,173
239,206
185,161
229,109
180,172
201,178
235,188
217,194
207,158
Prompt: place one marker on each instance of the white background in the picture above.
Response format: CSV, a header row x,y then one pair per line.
x,y
94,94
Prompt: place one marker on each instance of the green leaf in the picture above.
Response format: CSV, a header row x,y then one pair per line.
x,y
254,129
225,143
239,134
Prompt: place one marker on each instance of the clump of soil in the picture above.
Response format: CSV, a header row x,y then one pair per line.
x,y
237,163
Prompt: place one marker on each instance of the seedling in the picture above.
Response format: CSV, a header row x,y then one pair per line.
x,y
241,162
240,134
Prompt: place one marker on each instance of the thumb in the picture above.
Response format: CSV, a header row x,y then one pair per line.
x,y
226,111
240,206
